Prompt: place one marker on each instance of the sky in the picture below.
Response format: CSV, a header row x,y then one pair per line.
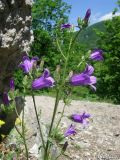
x,y
101,9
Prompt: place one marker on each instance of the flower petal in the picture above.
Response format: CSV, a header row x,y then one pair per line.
x,y
87,15
80,79
97,55
93,80
89,70
46,73
70,131
63,26
26,58
51,81
43,81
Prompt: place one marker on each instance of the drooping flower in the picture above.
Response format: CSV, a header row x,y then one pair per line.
x,y
81,118
97,55
43,81
63,26
12,84
87,15
27,64
5,98
70,131
84,78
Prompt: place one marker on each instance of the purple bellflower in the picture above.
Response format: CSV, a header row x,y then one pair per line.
x,y
81,118
12,84
27,64
5,98
63,26
87,15
84,78
70,131
43,81
97,55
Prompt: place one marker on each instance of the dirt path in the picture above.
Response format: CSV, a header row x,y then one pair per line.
x,y
99,141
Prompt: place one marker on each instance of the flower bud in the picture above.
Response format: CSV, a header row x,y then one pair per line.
x,y
87,15
65,146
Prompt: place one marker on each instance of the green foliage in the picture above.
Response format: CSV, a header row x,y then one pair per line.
x,y
46,15
18,77
108,86
57,135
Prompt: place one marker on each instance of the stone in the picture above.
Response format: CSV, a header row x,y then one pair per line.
x,y
16,36
34,151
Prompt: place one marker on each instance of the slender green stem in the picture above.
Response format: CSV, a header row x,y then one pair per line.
x,y
74,39
39,125
17,113
54,112
61,116
51,126
58,156
59,92
18,131
23,133
60,49
57,102
23,130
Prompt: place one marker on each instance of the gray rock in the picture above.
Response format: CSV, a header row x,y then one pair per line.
x,y
34,150
16,35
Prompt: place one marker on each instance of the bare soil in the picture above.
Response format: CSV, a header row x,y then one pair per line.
x,y
99,141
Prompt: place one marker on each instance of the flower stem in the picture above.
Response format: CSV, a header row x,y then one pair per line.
x,y
60,48
18,131
51,126
23,130
61,116
40,130
23,135
59,91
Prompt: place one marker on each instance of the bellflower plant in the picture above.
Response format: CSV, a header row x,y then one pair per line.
x,y
81,118
97,55
43,81
84,78
63,26
39,77
27,64
70,131
87,15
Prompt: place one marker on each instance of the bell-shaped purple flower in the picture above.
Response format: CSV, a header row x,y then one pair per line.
x,y
70,131
27,64
43,81
84,78
87,15
81,118
12,84
63,26
5,99
97,55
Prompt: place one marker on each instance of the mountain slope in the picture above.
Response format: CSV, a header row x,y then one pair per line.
x,y
89,37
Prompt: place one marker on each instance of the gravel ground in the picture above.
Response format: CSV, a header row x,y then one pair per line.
x,y
99,141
